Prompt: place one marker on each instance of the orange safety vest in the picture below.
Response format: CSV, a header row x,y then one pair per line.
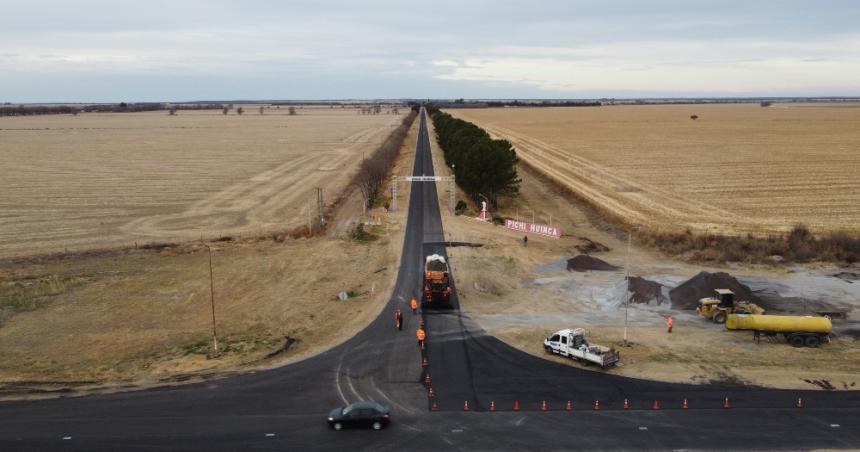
x,y
414,304
420,334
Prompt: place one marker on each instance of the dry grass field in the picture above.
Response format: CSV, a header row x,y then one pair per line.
x,y
104,180
735,169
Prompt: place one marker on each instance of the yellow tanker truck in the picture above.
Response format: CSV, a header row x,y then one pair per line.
x,y
799,331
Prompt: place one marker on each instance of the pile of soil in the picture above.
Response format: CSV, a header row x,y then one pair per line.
x,y
687,295
589,246
584,263
646,291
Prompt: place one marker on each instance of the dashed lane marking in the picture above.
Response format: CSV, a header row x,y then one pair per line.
x,y
643,428
834,426
270,435
66,438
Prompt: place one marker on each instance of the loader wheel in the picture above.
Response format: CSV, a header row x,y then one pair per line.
x,y
719,317
796,341
812,341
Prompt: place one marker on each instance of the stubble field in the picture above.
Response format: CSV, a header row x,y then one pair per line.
x,y
73,183
735,169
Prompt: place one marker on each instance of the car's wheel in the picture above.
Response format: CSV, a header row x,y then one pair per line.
x,y
796,341
377,425
719,317
337,426
548,350
812,341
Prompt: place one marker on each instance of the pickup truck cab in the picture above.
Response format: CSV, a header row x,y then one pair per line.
x,y
571,343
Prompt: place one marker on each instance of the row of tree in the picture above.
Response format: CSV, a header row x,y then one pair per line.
x,y
482,166
122,107
374,170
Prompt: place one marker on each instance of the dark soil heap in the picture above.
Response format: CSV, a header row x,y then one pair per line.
x,y
584,263
644,291
687,295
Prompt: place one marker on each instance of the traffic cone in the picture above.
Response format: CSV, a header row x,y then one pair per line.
x,y
430,394
569,406
516,405
543,406
799,402
596,405
685,405
726,403
492,405
466,406
656,405
626,404
434,407
425,363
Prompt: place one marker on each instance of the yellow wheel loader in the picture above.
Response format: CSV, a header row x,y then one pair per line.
x,y
718,307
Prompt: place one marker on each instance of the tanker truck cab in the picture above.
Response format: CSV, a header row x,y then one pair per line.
x,y
571,343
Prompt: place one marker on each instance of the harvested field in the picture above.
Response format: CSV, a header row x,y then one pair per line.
x,y
104,180
736,169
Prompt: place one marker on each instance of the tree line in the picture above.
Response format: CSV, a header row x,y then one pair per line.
x,y
374,169
482,166
122,107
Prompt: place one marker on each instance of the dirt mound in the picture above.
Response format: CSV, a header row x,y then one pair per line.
x,y
687,295
646,291
584,263
589,246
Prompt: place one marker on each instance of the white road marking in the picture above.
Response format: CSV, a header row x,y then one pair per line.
x,y
520,421
834,425
351,387
66,438
457,430
447,441
270,435
337,384
643,428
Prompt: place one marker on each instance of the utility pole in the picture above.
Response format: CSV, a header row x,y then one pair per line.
x,y
212,300
310,221
452,192
320,206
627,292
394,193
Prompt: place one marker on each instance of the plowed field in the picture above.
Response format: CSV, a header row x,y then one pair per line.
x,y
735,169
103,180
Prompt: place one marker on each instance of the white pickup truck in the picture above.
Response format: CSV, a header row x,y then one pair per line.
x,y
571,343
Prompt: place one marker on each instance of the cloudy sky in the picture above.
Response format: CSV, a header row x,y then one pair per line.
x,y
112,50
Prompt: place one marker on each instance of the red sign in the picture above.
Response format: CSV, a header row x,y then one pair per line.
x,y
540,229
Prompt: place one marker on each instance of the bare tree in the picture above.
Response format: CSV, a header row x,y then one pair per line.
x,y
172,110
291,111
239,111
261,109
225,110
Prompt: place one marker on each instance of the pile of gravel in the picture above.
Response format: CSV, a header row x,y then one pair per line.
x,y
584,263
688,294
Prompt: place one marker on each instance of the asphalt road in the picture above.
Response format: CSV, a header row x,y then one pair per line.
x,y
285,408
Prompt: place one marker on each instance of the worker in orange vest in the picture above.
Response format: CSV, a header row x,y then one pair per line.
x,y
420,335
414,305
398,320
669,323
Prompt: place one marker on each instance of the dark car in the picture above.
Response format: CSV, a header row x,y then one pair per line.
x,y
360,414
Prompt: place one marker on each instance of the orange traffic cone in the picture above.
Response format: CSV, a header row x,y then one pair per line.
x,y
569,406
430,394
656,405
596,405
492,405
799,402
427,378
626,404
425,363
685,405
726,403
466,406
434,407
516,405
543,406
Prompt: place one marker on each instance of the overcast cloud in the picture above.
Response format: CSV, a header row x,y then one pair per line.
x,y
188,50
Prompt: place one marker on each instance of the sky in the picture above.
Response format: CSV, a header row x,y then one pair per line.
x,y
182,50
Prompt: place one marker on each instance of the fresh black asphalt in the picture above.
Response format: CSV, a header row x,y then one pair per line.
x,y
285,408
